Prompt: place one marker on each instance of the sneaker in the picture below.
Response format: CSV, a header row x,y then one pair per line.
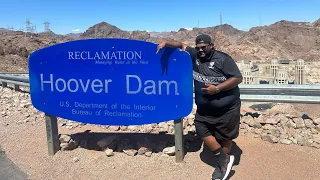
x,y
226,166
216,175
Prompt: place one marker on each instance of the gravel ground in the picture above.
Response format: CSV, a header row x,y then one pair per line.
x,y
25,145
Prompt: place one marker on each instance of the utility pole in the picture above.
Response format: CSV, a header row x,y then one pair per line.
x,y
221,22
260,20
198,23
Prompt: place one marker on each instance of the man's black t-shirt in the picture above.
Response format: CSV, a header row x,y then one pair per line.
x,y
216,69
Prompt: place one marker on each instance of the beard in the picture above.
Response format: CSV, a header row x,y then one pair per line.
x,y
204,55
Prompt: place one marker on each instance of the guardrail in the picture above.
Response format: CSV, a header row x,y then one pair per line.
x,y
14,73
286,93
17,81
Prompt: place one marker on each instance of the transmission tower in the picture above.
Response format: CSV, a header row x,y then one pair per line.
x,y
28,27
34,29
46,26
10,28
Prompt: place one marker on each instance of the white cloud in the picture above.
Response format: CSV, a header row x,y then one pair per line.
x,y
75,30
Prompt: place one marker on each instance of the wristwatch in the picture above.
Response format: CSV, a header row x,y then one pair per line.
x,y
217,89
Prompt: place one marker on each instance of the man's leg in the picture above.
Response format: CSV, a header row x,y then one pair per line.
x,y
226,146
226,130
204,130
224,160
211,142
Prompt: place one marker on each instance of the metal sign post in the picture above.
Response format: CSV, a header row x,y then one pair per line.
x,y
179,140
52,134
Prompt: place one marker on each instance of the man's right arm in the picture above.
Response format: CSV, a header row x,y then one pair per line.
x,y
173,44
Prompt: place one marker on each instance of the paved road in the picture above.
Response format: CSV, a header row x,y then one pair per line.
x,y
8,171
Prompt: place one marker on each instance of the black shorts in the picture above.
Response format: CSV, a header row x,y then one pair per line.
x,y
225,127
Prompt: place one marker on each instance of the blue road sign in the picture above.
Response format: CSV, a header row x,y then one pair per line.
x,y
111,82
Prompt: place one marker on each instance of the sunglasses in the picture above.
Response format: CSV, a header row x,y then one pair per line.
x,y
201,47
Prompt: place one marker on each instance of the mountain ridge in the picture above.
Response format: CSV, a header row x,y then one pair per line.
x,y
280,40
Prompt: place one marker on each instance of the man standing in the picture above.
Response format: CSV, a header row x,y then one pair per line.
x,y
217,96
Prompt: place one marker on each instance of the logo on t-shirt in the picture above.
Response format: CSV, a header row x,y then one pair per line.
x,y
211,65
197,62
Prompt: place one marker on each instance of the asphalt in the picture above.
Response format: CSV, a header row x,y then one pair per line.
x,y
9,171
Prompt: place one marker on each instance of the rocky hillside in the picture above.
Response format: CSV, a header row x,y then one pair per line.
x,y
284,39
188,36
15,47
104,29
281,40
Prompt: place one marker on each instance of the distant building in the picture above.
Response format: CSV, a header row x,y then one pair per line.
x,y
275,72
274,67
281,77
247,77
300,72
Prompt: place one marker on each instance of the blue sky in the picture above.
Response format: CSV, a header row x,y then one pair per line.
x,y
165,15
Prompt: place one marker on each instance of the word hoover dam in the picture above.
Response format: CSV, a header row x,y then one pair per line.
x,y
134,85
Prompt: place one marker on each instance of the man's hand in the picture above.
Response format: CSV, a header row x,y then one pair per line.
x,y
160,46
210,89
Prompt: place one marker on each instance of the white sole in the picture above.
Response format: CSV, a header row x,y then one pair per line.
x,y
229,167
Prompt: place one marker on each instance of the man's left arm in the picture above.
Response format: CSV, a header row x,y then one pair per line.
x,y
232,73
